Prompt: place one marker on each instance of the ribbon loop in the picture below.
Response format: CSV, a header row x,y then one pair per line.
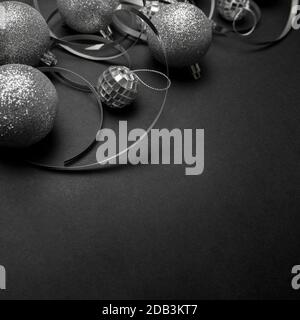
x,y
156,72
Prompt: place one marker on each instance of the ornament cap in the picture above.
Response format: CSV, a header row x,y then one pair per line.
x,y
107,33
196,71
49,59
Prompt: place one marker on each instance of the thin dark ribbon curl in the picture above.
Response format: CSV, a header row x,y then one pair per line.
x,y
88,87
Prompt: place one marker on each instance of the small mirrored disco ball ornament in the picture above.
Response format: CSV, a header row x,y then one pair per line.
x,y
233,9
118,87
88,16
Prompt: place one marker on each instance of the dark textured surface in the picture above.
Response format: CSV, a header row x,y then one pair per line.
x,y
150,231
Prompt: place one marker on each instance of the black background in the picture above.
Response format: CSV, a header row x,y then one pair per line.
x,y
150,232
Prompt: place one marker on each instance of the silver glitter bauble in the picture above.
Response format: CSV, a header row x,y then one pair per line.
x,y
185,31
28,106
24,34
232,9
118,87
87,16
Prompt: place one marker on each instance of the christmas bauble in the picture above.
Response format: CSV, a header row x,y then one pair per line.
x,y
118,87
232,9
185,31
87,16
24,35
28,105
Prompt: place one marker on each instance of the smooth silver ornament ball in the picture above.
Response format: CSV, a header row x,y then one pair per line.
x,y
24,34
87,16
185,31
28,106
118,87
232,9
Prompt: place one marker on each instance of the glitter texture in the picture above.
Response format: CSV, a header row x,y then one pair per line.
x,y
87,16
28,106
118,87
185,31
25,36
229,9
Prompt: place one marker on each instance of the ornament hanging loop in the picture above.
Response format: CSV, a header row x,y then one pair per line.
x,y
166,88
49,59
107,33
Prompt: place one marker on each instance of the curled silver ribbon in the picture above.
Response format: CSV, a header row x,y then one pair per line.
x,y
255,11
59,71
71,45
125,29
104,163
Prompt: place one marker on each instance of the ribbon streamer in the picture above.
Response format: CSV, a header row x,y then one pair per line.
x,y
168,86
60,70
256,17
104,163
256,11
70,43
124,29
253,9
287,27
